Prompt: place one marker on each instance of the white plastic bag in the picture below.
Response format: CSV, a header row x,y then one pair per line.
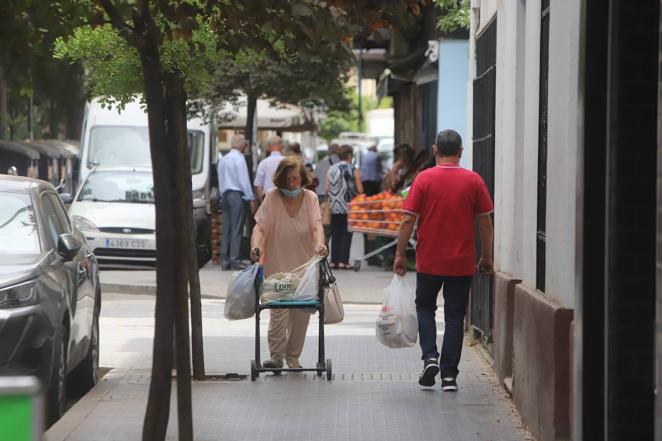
x,y
240,298
397,325
300,284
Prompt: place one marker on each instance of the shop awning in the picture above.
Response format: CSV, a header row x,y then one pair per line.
x,y
269,117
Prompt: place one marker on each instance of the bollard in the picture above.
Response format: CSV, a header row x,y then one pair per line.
x,y
21,412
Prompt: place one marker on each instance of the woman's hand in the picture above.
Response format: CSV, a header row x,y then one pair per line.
x,y
255,254
321,250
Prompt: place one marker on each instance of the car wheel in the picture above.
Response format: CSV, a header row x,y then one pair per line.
x,y
56,396
86,374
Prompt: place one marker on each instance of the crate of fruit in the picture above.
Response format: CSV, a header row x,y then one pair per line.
x,y
380,214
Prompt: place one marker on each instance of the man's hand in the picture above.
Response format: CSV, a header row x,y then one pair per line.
x,y
486,265
400,265
321,250
255,254
253,206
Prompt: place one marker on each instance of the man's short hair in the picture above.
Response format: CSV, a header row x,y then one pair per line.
x,y
274,141
238,141
449,143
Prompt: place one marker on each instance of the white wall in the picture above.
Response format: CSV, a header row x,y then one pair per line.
x,y
508,137
516,135
529,160
562,150
488,8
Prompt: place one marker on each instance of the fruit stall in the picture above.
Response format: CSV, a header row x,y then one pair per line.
x,y
378,215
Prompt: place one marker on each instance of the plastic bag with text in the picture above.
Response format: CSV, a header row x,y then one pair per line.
x,y
300,284
397,325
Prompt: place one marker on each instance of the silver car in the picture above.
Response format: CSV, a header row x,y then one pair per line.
x,y
50,296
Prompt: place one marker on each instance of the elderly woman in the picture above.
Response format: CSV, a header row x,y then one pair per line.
x,y
287,234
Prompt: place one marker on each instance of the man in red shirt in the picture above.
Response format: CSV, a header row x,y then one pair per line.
x,y
446,200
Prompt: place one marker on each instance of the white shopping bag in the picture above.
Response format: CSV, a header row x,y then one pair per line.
x,y
397,325
240,298
300,284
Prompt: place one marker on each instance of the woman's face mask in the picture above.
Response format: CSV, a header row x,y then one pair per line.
x,y
291,193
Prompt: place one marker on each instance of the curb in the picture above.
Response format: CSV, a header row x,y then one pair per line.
x,y
117,288
66,425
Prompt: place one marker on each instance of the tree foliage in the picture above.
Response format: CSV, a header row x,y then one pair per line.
x,y
455,14
27,31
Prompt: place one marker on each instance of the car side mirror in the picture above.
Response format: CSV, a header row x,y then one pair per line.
x,y
66,198
68,246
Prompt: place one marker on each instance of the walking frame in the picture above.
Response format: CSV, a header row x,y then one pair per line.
x,y
326,279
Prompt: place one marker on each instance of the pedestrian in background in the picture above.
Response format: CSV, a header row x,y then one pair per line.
x,y
288,233
371,171
294,149
402,167
265,170
343,183
235,187
321,171
446,200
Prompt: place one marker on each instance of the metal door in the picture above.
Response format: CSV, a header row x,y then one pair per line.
x,y
484,97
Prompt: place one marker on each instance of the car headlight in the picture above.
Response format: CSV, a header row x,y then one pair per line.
x,y
23,294
83,224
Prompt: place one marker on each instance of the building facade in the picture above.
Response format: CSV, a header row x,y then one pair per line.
x,y
557,85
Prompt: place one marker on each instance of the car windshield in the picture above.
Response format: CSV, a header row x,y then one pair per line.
x,y
18,225
129,146
119,186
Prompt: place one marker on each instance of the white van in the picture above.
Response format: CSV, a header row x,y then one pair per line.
x,y
113,138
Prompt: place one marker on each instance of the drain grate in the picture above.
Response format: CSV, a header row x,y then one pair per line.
x,y
371,377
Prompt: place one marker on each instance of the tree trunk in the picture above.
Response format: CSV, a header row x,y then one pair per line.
x,y
251,106
196,306
4,115
169,276
178,142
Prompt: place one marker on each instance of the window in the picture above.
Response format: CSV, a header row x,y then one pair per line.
x,y
53,223
541,233
115,145
118,186
18,225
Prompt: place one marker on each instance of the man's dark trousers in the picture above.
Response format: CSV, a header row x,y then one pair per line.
x,y
456,296
234,215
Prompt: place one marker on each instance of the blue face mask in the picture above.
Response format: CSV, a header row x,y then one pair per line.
x,y
290,193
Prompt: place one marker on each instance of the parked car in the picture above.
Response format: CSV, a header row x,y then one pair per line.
x,y
114,208
50,296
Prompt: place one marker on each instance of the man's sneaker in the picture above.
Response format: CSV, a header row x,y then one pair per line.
x,y
430,370
449,384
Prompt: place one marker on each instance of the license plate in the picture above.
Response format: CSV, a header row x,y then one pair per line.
x,y
126,243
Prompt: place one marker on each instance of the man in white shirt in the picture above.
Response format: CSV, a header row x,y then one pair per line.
x,y
266,169
235,187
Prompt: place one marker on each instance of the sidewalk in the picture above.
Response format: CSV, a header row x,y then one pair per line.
x,y
374,394
356,287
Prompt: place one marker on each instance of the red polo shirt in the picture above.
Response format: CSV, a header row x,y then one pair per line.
x,y
446,199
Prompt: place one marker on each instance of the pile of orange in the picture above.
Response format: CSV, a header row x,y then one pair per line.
x,y
379,213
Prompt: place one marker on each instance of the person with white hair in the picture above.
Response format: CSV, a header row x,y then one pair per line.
x,y
234,184
265,170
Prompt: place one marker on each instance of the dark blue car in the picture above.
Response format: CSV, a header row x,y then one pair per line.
x,y
50,296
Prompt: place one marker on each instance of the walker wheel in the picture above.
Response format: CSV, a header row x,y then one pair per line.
x,y
329,371
254,372
319,366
